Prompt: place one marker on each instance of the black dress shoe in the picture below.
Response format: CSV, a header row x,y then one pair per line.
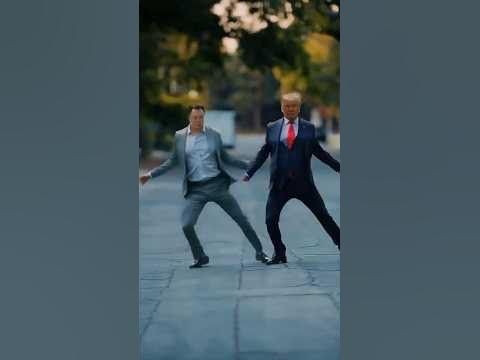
x,y
277,259
260,256
204,260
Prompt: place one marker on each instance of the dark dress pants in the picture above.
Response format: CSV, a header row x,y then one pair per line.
x,y
308,194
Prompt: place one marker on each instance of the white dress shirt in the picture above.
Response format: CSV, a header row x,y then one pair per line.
x,y
285,126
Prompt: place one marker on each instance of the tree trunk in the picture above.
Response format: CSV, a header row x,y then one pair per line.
x,y
257,107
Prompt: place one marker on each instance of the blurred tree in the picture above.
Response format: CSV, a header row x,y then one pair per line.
x,y
245,90
296,41
319,79
233,54
179,45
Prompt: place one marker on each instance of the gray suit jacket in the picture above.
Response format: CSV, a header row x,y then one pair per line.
x,y
177,156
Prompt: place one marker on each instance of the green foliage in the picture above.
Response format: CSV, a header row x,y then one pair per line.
x,y
182,62
267,48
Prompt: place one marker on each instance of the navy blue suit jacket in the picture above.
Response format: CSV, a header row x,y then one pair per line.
x,y
305,136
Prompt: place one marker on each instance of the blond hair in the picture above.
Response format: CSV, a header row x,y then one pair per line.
x,y
292,96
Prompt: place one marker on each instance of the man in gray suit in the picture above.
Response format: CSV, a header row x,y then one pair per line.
x,y
199,151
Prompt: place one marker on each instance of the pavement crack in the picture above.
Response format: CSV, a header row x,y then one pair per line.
x,y
298,285
334,300
301,264
236,310
236,329
312,278
157,305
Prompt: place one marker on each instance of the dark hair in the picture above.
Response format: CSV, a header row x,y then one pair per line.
x,y
197,107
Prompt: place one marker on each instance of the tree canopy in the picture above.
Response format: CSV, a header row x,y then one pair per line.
x,y
232,53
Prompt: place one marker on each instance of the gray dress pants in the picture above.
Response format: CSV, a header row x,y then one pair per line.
x,y
216,190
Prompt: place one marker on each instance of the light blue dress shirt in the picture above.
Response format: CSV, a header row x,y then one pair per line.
x,y
200,157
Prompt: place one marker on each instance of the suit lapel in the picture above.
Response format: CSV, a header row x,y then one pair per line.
x,y
278,131
301,128
212,145
210,140
183,147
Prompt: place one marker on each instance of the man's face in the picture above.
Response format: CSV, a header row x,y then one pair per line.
x,y
290,109
196,119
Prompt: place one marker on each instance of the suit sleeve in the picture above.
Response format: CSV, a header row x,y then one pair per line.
x,y
167,164
260,158
229,159
325,157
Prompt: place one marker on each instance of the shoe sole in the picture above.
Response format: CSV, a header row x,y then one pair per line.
x,y
280,262
199,265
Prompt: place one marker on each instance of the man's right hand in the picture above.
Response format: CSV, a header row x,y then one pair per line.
x,y
246,178
145,178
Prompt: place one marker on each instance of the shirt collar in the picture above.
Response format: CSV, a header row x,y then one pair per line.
x,y
286,122
189,130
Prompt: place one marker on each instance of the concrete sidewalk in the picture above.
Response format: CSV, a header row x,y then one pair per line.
x,y
237,308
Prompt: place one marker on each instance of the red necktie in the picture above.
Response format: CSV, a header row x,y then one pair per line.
x,y
290,136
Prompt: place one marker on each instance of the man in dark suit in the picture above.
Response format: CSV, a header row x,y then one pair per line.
x,y
291,142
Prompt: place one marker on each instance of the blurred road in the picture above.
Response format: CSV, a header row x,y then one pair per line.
x,y
237,308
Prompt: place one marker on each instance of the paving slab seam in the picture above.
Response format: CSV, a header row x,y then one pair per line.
x,y
155,309
236,310
335,302
312,279
242,297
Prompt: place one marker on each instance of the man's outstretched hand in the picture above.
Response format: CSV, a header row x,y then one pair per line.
x,y
144,178
245,178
